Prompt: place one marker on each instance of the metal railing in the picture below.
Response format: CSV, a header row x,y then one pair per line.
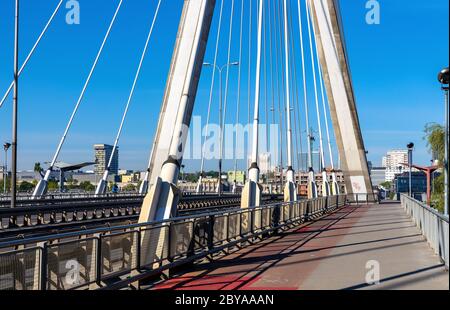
x,y
67,211
366,198
118,256
51,196
434,225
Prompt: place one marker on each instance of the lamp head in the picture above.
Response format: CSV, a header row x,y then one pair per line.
x,y
6,146
410,146
443,76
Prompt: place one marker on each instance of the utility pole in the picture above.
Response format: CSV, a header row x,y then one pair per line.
x,y
15,102
220,69
410,147
6,147
443,78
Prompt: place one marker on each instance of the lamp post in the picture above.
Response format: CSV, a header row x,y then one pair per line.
x,y
220,69
443,78
15,108
410,147
6,147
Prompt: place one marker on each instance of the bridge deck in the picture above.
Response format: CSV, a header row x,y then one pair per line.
x,y
330,253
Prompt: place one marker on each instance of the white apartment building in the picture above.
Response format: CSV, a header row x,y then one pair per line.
x,y
393,163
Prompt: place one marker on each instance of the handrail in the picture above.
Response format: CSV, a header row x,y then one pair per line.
x,y
433,225
148,248
128,226
428,208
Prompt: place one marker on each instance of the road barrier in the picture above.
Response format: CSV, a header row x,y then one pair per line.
x,y
117,256
47,212
434,225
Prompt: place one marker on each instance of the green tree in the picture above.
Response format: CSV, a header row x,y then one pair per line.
x,y
25,187
38,169
191,177
386,185
52,185
8,184
129,188
437,197
435,137
87,186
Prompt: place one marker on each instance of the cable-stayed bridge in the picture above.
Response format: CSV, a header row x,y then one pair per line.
x,y
293,56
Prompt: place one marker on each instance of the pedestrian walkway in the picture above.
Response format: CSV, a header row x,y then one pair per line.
x,y
339,251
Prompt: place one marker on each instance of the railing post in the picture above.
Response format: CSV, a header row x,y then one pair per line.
x,y
98,259
308,202
138,250
169,241
252,217
240,223
43,266
261,212
211,232
228,227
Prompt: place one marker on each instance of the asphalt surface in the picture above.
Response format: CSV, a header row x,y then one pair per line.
x,y
343,250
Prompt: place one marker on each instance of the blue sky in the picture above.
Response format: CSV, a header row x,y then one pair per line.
x,y
394,67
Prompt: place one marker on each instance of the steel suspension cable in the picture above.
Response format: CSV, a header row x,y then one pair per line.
x,y
211,91
294,84
305,90
271,70
130,96
297,101
322,91
32,50
267,135
265,79
249,61
313,65
279,86
80,98
287,85
230,37
238,101
282,61
257,88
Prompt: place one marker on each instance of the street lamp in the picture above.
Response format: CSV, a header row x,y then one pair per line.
x,y
410,147
443,78
6,147
220,69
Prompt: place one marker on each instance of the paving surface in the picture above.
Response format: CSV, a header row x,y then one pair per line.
x,y
339,251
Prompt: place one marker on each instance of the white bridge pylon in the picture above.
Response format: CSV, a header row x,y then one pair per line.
x,y
162,198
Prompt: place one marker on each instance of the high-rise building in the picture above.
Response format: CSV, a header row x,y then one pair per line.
x,y
394,163
102,154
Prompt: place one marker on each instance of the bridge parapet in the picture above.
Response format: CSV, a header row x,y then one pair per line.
x,y
434,225
117,256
